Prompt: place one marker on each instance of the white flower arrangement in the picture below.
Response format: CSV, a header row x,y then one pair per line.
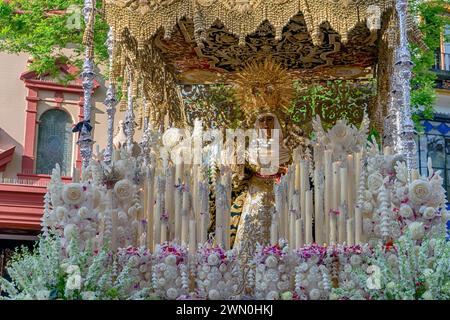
x,y
217,273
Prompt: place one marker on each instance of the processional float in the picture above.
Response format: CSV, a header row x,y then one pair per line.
x,y
174,193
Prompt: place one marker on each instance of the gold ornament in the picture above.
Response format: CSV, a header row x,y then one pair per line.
x,y
264,87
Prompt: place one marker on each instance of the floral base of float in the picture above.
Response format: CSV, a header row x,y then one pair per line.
x,y
102,240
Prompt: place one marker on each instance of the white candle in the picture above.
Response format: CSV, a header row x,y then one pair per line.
x,y
343,204
358,225
76,175
298,233
318,213
274,232
220,195
328,194
192,237
164,231
150,205
204,193
185,218
350,230
351,194
114,236
304,176
308,217
179,170
169,200
387,151
292,220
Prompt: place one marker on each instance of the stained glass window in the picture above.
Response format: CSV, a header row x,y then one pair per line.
x,y
54,142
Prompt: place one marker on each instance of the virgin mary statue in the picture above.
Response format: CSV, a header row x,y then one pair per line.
x,y
267,160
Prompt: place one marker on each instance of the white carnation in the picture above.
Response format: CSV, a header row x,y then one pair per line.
x,y
405,211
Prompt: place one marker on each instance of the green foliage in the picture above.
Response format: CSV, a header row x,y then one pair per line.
x,y
29,26
335,98
432,21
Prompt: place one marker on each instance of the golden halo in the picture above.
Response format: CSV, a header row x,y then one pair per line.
x,y
263,87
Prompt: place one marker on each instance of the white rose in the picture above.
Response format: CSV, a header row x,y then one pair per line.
x,y
73,193
405,211
60,213
272,295
172,293
213,294
161,282
73,282
123,189
419,191
213,259
170,260
375,181
271,262
417,230
429,213
314,294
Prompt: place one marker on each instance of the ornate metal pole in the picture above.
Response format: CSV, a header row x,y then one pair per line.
x,y
110,101
129,114
402,71
85,139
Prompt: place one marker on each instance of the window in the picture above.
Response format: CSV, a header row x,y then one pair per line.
x,y
54,142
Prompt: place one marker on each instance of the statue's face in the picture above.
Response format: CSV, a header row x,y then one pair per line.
x,y
267,123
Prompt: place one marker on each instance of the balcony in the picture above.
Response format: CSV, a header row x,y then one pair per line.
x,y
442,69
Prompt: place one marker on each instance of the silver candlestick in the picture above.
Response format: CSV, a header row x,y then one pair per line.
x,y
110,102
